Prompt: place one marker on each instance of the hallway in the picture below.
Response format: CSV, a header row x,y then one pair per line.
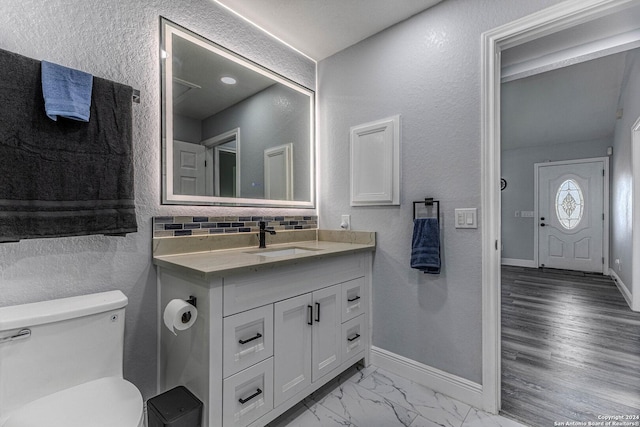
x,y
570,348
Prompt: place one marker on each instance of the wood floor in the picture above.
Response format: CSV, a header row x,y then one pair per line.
x,y
570,348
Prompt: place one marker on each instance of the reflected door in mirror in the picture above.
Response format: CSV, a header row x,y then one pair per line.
x,y
188,168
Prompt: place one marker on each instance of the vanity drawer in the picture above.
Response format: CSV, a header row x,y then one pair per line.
x,y
269,284
354,337
247,339
248,395
354,299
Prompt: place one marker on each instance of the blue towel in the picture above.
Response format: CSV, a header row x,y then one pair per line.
x,y
425,245
67,92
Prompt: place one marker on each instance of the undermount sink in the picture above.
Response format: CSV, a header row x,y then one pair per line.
x,y
281,252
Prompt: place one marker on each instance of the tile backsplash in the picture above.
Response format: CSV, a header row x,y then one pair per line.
x,y
174,226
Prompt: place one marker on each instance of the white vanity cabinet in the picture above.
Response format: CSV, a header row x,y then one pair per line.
x,y
267,336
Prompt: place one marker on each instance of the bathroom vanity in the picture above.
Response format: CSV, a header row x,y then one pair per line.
x,y
273,324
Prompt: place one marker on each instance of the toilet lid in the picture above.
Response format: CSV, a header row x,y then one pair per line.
x,y
106,402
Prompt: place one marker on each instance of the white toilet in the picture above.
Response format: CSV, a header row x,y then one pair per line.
x,y
61,364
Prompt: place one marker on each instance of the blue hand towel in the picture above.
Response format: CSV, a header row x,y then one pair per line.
x,y
67,92
425,245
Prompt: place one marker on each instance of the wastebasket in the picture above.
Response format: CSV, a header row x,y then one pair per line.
x,y
177,407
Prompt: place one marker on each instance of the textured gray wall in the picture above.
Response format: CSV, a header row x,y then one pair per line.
x,y
428,70
118,40
622,176
517,168
277,115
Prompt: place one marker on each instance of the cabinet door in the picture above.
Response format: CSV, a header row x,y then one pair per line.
x,y
292,347
327,320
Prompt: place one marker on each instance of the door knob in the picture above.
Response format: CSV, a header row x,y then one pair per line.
x,y
542,224
541,218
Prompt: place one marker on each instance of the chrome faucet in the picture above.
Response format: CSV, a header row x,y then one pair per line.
x,y
263,230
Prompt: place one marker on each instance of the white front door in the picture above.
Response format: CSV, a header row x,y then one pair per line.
x,y
571,215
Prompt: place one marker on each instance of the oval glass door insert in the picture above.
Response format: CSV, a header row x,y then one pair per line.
x,y
569,204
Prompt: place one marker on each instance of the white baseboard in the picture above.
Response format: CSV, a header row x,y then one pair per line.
x,y
626,293
515,262
443,382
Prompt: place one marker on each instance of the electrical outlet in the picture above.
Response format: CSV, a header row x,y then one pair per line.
x,y
345,223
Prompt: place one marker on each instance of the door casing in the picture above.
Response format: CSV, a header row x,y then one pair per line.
x,y
554,19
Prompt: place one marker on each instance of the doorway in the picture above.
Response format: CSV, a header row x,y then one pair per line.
x,y
572,204
549,22
225,176
223,158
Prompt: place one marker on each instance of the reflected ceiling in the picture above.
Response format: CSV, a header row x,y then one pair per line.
x,y
198,91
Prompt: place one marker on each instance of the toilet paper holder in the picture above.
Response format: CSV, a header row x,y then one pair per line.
x,y
186,317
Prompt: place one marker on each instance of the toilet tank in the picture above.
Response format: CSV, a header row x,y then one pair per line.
x,y
60,343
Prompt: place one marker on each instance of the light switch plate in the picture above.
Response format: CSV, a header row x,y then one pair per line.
x,y
466,218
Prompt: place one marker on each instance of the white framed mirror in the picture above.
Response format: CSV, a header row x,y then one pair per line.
x,y
220,113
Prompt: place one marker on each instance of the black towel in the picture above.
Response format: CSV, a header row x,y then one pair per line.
x,y
64,178
425,245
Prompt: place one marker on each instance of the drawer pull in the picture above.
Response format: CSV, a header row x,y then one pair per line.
x,y
354,299
258,335
24,333
353,338
317,312
256,394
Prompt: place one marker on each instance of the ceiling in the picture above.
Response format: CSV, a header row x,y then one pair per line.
x,y
574,103
570,104
320,28
566,86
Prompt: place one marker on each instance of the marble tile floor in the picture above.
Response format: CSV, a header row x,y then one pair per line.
x,y
372,397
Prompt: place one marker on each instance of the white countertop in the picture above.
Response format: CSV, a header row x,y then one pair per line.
x,y
221,262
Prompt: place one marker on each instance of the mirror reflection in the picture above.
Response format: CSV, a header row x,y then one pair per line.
x,y
233,132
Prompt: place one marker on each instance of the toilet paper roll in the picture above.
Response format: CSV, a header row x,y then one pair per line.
x,y
179,315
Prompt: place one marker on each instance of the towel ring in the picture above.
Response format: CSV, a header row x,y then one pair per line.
x,y
427,203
